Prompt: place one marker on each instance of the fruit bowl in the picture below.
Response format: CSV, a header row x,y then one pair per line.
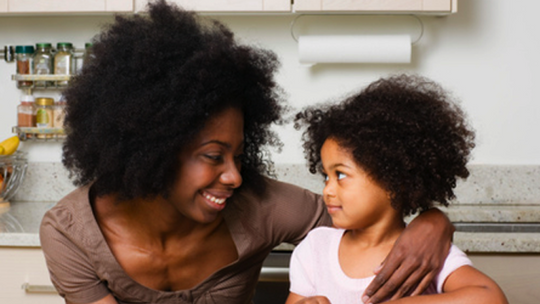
x,y
12,170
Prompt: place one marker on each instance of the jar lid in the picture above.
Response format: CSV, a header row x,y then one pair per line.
x,y
41,45
24,49
64,45
27,98
43,101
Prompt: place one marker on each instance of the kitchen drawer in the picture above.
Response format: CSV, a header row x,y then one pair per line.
x,y
25,267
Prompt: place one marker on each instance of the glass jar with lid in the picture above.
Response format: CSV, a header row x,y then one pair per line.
x,y
24,55
43,63
44,111
64,61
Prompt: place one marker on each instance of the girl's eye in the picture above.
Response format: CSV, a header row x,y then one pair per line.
x,y
325,177
341,176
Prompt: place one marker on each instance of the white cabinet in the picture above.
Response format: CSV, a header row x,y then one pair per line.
x,y
227,5
63,6
390,6
516,274
25,267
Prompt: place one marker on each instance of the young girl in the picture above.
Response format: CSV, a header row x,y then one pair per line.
x,y
391,150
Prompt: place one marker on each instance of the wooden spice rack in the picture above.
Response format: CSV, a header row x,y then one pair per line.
x,y
48,81
39,134
41,82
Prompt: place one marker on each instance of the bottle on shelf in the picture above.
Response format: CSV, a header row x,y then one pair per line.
x,y
44,111
88,55
64,61
59,114
43,63
24,57
25,111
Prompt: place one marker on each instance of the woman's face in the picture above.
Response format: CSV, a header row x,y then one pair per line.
x,y
210,167
353,199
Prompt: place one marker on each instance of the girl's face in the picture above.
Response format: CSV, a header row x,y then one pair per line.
x,y
210,167
353,199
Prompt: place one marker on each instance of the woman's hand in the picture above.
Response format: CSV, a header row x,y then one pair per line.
x,y
314,300
415,259
298,299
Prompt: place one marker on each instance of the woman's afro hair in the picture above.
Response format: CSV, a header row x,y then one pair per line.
x,y
154,81
404,131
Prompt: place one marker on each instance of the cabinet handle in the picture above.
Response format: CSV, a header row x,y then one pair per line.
x,y
39,288
274,274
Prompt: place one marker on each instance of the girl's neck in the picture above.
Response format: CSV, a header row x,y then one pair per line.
x,y
363,250
377,234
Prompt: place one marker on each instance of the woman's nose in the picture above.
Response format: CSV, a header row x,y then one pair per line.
x,y
231,175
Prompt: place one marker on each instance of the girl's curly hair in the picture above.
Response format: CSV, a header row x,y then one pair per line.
x,y
404,131
154,82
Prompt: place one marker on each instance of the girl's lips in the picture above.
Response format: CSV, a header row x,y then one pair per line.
x,y
332,209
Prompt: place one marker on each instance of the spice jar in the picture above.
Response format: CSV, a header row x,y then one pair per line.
x,y
25,112
59,113
64,61
43,63
44,114
88,55
24,54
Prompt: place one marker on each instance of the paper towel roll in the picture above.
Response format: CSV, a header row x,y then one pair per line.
x,y
350,49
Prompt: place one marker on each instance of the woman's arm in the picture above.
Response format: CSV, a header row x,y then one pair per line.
x,y
109,299
415,259
466,285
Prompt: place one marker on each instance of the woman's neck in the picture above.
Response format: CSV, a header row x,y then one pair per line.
x,y
154,219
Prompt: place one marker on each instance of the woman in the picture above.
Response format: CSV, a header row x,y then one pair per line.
x,y
167,126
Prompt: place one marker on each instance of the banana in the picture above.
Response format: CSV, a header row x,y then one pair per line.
x,y
9,146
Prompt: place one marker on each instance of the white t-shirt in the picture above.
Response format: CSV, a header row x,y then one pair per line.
x,y
315,269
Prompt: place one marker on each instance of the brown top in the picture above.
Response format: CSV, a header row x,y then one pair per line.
x,y
83,268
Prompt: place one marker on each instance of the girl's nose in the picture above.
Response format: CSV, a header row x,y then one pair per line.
x,y
329,190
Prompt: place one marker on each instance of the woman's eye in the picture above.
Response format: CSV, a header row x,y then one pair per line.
x,y
239,157
213,157
341,176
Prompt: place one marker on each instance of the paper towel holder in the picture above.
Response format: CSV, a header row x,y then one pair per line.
x,y
293,23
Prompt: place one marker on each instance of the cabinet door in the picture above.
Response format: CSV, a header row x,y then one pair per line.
x,y
3,6
423,6
71,6
20,266
228,5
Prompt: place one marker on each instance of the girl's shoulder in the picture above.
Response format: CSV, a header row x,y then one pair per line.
x,y
324,234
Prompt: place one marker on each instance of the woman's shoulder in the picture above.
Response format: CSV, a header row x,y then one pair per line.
x,y
74,203
69,216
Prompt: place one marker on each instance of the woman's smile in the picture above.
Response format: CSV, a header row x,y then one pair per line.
x,y
210,167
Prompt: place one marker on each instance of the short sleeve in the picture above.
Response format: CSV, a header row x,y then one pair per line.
x,y
455,259
70,269
295,211
301,272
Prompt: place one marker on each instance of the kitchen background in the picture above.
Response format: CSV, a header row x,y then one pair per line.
x,y
487,54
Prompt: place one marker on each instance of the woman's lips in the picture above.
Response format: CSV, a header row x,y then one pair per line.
x,y
215,201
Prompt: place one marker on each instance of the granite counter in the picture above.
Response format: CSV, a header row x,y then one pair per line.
x,y
493,194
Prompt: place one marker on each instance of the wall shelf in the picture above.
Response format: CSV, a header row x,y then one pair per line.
x,y
39,134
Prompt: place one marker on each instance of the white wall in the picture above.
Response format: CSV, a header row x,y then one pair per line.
x,y
486,54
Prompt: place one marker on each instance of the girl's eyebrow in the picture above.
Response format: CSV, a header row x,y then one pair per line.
x,y
337,165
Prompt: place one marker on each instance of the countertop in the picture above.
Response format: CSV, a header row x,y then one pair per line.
x,y
493,194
